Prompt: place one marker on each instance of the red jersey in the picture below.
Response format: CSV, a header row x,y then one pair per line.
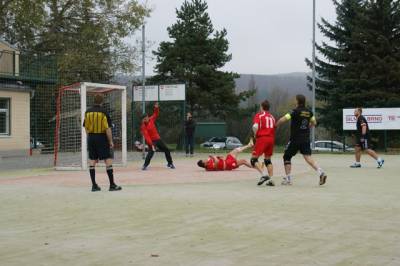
x,y
229,163
210,165
149,129
266,124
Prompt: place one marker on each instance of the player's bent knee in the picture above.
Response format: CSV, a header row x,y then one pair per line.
x,y
287,160
253,161
267,162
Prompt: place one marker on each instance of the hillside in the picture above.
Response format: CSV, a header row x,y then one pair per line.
x,y
292,83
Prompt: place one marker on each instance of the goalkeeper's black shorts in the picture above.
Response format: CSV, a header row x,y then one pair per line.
x,y
99,148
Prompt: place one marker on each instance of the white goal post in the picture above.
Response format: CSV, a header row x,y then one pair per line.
x,y
70,139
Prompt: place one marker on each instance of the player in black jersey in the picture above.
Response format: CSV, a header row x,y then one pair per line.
x,y
100,143
302,119
363,140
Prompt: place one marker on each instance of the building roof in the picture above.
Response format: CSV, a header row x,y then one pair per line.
x,y
15,86
8,44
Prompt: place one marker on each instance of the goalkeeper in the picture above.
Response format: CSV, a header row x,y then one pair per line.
x,y
150,133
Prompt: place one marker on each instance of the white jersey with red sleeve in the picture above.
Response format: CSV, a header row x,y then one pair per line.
x,y
264,123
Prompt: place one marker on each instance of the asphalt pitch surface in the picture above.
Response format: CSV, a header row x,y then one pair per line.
x,y
189,217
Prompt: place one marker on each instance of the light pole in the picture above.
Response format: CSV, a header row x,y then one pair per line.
x,y
143,83
313,76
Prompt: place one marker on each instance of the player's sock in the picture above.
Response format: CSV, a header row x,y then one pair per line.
x,y
379,159
92,172
320,171
110,173
287,180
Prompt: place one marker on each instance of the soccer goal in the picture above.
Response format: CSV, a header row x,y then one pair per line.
x,y
70,145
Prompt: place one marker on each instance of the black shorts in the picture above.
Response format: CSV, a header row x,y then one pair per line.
x,y
364,145
99,148
293,147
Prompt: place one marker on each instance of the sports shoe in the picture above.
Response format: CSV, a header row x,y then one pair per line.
x,y
270,183
263,179
144,168
95,188
380,163
356,165
115,188
286,181
171,166
322,179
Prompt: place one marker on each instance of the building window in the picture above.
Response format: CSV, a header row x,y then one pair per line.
x,y
4,116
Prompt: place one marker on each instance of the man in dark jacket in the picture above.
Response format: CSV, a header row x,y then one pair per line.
x,y
190,127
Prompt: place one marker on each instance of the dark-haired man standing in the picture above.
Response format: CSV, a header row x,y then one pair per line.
x,y
190,127
301,119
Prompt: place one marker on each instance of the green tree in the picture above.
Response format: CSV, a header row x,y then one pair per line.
x,y
336,55
378,67
362,66
21,21
86,36
195,56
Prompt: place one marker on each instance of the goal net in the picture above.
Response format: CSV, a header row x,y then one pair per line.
x,y
70,145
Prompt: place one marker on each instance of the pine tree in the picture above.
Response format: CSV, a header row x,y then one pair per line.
x,y
362,67
379,64
333,68
195,56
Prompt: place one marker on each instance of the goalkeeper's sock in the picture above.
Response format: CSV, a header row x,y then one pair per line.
x,y
92,172
110,173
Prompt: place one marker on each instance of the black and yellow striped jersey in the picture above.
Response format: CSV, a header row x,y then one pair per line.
x,y
97,120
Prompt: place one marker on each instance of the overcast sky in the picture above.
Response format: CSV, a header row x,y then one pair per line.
x,y
265,36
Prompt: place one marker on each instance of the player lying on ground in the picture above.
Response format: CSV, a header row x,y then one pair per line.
x,y
100,143
231,162
150,133
363,141
264,132
301,121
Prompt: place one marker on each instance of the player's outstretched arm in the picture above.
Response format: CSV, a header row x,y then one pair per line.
x,y
283,120
313,122
156,111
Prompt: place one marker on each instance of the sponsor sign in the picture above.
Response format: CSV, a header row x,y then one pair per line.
x,y
377,118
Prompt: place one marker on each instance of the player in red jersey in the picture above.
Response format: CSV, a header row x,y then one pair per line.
x,y
153,139
231,162
264,132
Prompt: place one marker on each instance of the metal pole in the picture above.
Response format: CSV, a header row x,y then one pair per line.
x,y
143,83
132,136
313,76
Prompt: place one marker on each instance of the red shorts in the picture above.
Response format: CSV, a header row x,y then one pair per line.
x,y
230,162
264,145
